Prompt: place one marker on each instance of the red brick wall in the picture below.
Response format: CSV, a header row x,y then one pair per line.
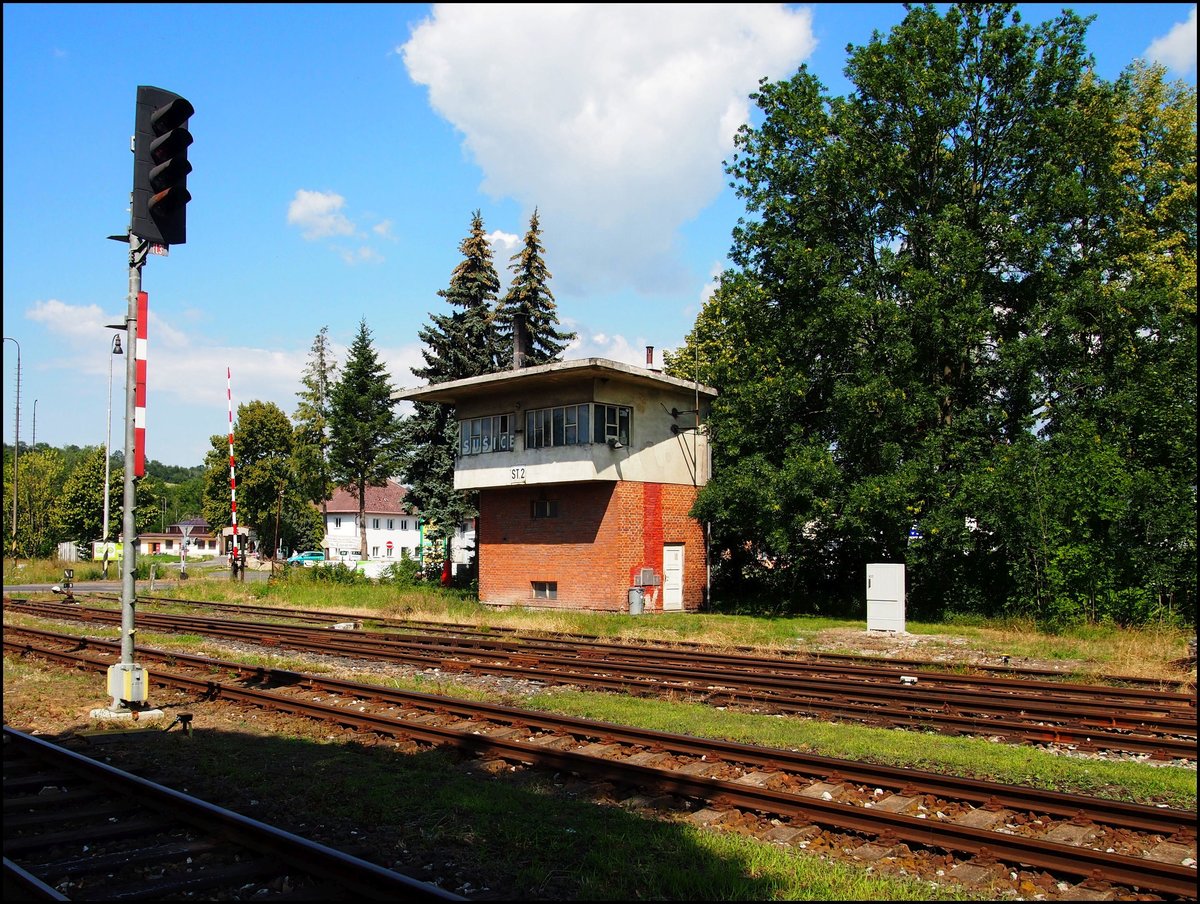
x,y
604,534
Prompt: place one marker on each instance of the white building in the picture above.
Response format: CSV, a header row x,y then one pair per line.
x,y
194,535
391,529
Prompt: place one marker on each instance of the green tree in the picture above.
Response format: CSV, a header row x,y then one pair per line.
x,y
464,343
170,474
461,344
268,501
64,500
39,480
311,446
78,513
366,434
185,499
1116,353
149,494
529,304
927,275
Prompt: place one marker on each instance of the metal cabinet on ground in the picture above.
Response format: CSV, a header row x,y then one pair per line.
x,y
885,597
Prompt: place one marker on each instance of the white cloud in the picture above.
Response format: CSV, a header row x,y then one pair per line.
x,y
714,280
504,244
177,368
613,120
363,255
1177,48
74,323
400,362
318,214
614,347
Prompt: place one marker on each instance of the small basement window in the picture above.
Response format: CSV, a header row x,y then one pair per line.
x,y
545,508
545,590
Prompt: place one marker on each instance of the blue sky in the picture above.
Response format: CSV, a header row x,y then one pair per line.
x,y
339,153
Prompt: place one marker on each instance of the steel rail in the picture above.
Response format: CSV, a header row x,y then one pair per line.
x,y
348,872
652,682
985,704
1131,685
1057,858
1140,817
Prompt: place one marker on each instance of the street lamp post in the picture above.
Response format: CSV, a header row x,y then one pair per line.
x,y
116,350
16,442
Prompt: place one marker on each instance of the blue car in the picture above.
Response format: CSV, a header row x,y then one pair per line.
x,y
306,558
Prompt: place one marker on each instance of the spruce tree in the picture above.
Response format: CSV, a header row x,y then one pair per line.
x,y
530,301
365,432
458,345
463,343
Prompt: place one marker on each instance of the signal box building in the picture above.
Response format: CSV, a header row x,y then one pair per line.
x,y
586,472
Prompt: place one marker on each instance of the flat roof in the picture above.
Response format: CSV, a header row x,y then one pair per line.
x,y
547,375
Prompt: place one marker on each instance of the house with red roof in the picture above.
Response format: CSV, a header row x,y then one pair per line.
x,y
392,527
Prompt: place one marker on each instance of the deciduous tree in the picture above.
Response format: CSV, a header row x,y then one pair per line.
x,y
268,500
980,262
311,445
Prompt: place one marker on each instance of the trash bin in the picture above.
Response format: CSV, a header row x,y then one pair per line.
x,y
637,599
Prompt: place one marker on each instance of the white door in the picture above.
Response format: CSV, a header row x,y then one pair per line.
x,y
672,576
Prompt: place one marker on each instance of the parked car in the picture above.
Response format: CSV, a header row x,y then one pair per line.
x,y
309,558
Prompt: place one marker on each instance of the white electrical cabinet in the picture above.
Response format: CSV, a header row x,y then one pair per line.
x,y
885,597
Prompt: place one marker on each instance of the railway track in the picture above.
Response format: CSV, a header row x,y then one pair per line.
x,y
786,795
76,829
1090,718
978,673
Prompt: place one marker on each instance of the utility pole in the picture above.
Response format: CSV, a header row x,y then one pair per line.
x,y
278,512
16,444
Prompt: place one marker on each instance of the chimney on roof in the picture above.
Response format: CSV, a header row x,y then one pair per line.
x,y
520,340
650,357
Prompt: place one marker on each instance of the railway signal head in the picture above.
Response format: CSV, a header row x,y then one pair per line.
x,y
160,166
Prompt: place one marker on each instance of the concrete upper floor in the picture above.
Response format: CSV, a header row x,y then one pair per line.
x,y
585,420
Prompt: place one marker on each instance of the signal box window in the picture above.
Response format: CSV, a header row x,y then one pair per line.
x,y
545,590
564,425
612,423
493,433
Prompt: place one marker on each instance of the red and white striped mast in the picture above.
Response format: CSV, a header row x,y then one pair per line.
x,y
232,472
139,394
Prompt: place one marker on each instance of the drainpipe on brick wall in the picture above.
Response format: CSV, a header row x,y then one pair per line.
x,y
707,566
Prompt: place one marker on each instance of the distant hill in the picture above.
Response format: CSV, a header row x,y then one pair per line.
x,y
172,473
71,454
